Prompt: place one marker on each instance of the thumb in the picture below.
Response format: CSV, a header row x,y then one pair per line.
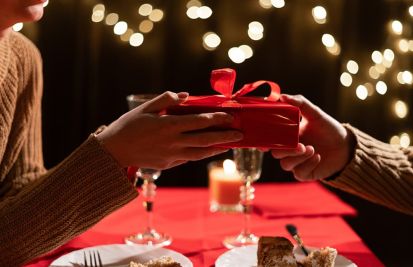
x,y
163,101
308,109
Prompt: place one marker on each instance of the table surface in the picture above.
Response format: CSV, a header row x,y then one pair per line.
x,y
197,233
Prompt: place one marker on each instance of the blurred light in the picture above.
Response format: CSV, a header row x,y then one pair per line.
x,y
373,73
136,39
345,79
192,12
256,27
400,109
352,67
370,89
377,57
278,3
335,49
400,77
404,140
120,28
395,140
247,51
381,87
111,19
387,64
397,27
17,27
193,3
145,26
98,16
211,40
265,4
236,55
328,40
255,30
388,55
156,15
126,36
45,4
411,45
407,77
319,14
411,11
98,7
380,68
204,12
403,45
145,10
361,92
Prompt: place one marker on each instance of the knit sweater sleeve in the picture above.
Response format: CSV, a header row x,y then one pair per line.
x,y
44,209
379,172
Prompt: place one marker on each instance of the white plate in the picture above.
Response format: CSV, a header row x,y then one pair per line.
x,y
247,257
120,255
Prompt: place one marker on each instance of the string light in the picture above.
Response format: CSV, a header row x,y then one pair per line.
x,y
156,15
352,67
395,140
374,73
236,55
346,79
145,10
278,3
120,28
204,12
136,39
319,14
248,52
145,26
397,27
111,19
411,11
211,41
400,109
17,27
403,45
265,4
381,87
377,57
361,92
404,140
328,40
255,30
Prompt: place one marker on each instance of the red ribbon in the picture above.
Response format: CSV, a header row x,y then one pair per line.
x,y
222,81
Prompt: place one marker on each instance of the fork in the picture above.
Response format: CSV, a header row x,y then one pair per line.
x,y
94,259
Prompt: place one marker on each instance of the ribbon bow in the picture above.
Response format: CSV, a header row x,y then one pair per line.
x,y
222,81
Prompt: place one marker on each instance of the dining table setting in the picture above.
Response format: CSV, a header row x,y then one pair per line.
x,y
197,233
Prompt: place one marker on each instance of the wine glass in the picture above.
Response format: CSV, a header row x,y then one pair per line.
x,y
248,162
149,236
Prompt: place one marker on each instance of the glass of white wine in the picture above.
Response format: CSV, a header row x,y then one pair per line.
x,y
248,162
149,235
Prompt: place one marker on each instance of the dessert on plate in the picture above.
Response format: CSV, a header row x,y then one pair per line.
x,y
161,262
278,252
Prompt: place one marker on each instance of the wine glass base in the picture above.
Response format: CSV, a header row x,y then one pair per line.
x,y
240,240
152,238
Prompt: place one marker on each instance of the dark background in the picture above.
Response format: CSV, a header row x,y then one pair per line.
x,y
88,72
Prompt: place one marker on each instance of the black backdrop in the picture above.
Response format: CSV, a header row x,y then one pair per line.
x,y
88,72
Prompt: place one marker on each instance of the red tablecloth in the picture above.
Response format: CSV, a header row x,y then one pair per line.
x,y
197,233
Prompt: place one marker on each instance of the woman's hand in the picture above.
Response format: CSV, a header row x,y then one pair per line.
x,y
146,139
325,147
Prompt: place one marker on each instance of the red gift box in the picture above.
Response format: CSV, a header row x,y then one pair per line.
x,y
265,122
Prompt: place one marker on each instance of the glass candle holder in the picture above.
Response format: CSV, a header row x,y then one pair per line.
x,y
224,184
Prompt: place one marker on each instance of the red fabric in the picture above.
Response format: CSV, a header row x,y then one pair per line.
x,y
197,233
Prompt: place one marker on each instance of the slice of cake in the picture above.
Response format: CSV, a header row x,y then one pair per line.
x,y
275,252
161,262
324,257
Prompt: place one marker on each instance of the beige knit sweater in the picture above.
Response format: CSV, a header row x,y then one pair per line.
x,y
40,209
378,172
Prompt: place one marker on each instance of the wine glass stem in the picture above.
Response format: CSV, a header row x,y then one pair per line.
x,y
148,191
247,195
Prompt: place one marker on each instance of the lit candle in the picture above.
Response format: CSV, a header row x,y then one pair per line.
x,y
224,186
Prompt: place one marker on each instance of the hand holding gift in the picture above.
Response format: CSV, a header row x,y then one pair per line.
x,y
265,122
327,148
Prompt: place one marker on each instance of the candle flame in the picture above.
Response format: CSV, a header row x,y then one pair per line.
x,y
229,166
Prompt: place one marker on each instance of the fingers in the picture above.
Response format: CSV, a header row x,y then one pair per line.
x,y
207,139
305,171
308,109
289,163
192,122
202,153
283,153
163,101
